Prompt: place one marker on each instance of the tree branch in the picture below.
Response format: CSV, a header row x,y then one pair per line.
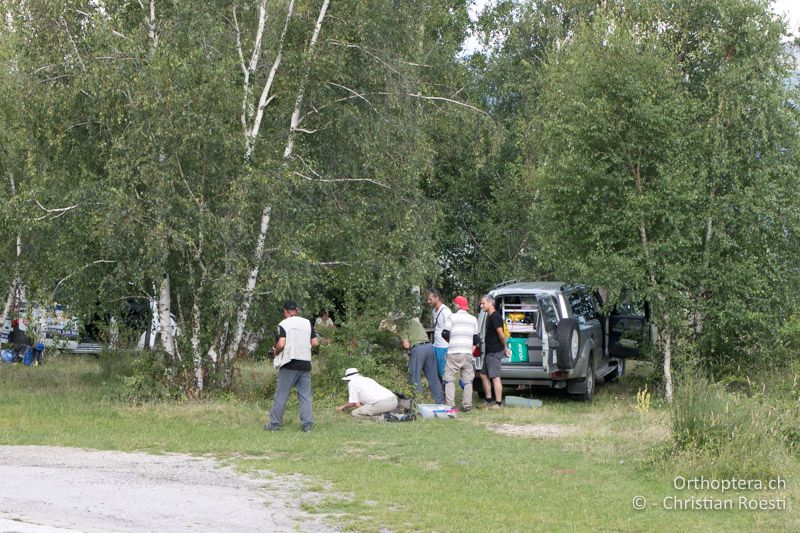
x,y
360,97
59,211
337,180
87,265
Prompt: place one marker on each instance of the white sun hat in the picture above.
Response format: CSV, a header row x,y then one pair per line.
x,y
350,373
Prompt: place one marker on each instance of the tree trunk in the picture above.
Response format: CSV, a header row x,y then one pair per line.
x,y
312,45
666,337
698,314
195,341
12,290
251,135
247,296
165,318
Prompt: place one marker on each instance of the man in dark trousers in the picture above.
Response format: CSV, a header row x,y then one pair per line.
x,y
496,348
421,357
292,353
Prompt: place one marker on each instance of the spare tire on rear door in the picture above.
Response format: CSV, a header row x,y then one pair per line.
x,y
569,343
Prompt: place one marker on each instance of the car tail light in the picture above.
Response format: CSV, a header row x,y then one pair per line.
x,y
559,374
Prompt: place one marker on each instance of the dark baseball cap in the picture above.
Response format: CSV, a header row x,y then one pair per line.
x,y
290,305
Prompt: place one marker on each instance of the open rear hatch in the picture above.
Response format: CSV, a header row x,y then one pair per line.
x,y
521,317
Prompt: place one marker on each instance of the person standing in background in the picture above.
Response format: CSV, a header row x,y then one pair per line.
x,y
324,321
496,348
421,357
440,314
461,333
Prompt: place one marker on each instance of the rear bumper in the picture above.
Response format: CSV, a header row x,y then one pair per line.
x,y
522,375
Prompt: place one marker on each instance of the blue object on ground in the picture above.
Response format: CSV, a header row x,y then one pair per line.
x,y
516,401
7,356
28,360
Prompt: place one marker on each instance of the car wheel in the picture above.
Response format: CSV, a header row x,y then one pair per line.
x,y
569,343
591,383
617,373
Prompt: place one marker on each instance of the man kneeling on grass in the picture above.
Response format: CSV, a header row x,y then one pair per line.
x,y
366,397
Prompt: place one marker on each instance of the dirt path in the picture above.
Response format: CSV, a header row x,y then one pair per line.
x,y
57,490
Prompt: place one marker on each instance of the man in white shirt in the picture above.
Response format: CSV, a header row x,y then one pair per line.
x,y
461,333
440,314
324,321
367,397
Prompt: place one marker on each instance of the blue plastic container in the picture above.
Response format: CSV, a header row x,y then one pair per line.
x,y
28,359
7,356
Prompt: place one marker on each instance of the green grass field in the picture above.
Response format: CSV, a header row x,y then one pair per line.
x,y
429,475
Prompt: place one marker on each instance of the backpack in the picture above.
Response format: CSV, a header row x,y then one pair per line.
x,y
404,412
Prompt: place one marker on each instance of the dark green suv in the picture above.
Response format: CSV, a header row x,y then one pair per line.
x,y
560,338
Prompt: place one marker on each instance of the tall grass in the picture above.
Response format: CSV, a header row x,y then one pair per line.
x,y
724,434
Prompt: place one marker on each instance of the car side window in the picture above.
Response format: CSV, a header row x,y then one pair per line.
x,y
548,310
583,305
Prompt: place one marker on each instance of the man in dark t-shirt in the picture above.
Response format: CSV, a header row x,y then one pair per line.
x,y
495,349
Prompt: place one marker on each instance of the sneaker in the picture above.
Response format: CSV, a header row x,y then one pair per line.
x,y
307,428
272,427
466,409
495,406
485,404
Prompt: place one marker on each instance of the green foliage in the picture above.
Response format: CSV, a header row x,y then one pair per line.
x,y
730,434
152,379
387,367
647,146
116,364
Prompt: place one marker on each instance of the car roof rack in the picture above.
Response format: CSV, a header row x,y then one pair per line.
x,y
505,283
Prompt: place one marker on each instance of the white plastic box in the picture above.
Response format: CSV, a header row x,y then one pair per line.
x,y
435,410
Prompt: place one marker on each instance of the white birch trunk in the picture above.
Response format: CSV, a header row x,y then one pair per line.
x,y
251,136
113,333
251,133
667,347
197,356
666,336
195,341
164,317
151,27
12,290
247,296
312,45
15,283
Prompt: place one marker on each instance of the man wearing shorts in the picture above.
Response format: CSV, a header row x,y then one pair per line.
x,y
496,348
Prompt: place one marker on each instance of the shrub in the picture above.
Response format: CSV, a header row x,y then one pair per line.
x,y
727,434
152,378
115,363
387,367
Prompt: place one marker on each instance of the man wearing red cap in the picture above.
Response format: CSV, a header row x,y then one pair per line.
x,y
461,333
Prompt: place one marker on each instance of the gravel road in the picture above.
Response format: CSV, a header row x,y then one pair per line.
x,y
58,490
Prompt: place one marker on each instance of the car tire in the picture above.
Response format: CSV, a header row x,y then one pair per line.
x,y
591,384
617,373
569,343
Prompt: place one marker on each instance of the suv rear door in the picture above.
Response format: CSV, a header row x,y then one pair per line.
x,y
627,329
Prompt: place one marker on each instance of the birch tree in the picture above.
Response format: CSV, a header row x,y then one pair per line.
x,y
238,148
637,129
